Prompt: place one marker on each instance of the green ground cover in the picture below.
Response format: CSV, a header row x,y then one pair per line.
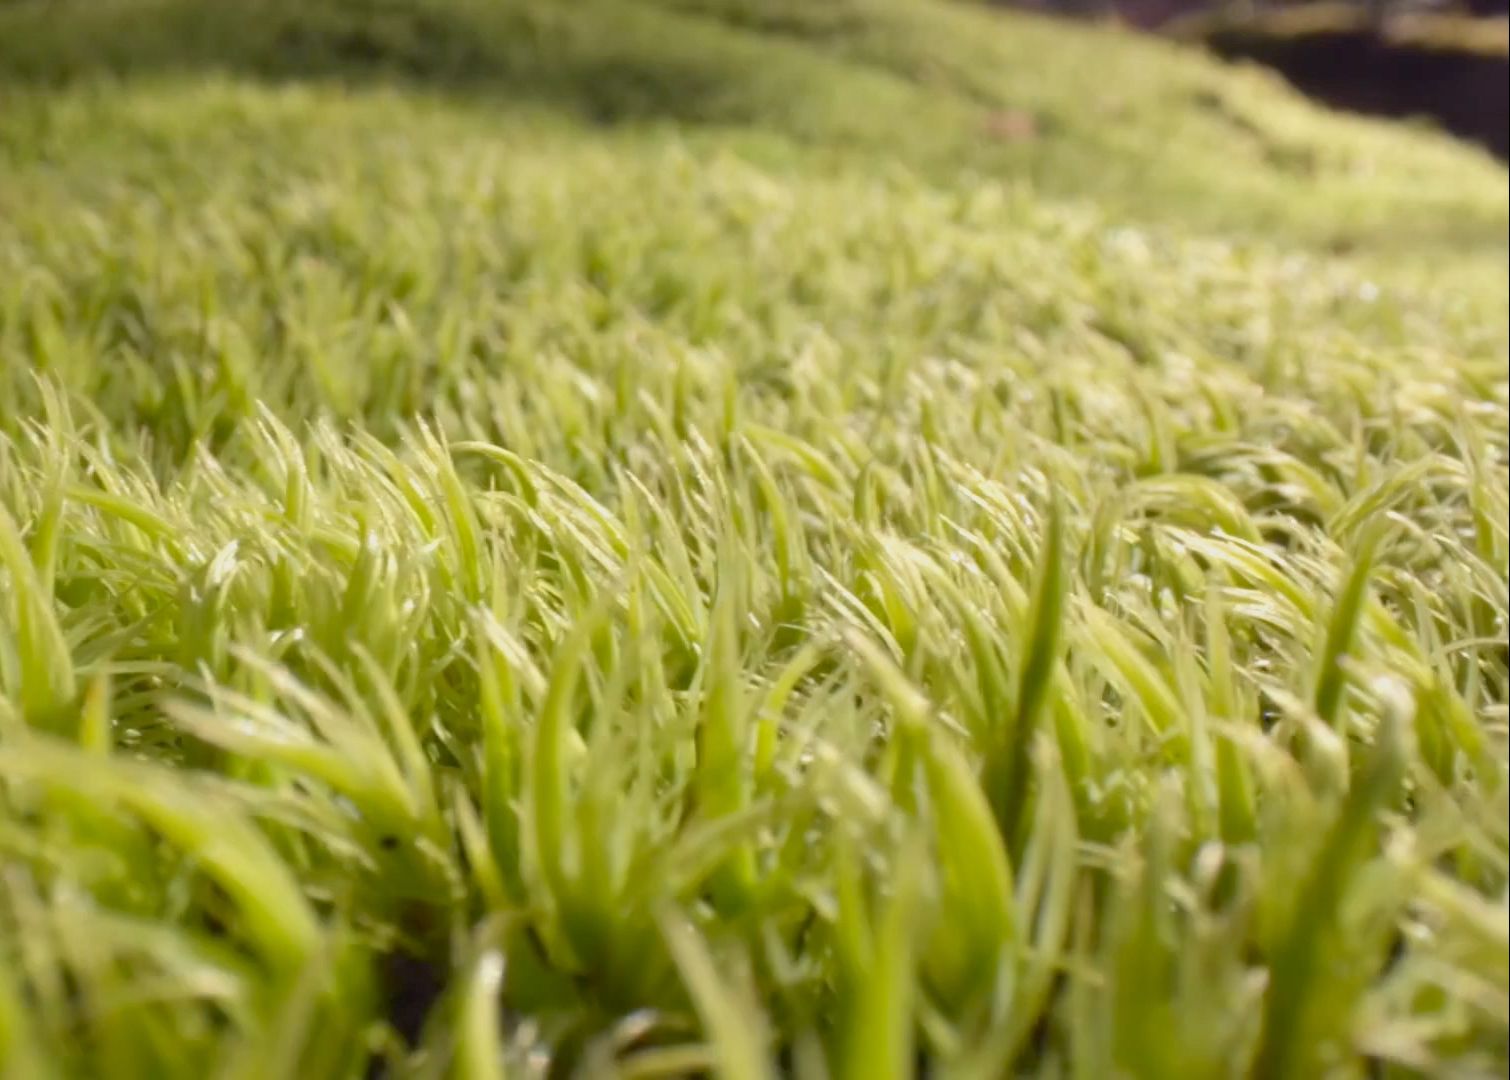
x,y
653,537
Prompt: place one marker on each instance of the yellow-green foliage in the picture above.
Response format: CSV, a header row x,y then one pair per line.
x,y
639,538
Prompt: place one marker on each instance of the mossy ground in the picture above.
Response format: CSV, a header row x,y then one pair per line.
x,y
662,536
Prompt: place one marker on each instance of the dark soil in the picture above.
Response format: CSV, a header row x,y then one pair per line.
x,y
1466,93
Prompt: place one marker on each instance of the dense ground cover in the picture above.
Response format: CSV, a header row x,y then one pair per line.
x,y
656,536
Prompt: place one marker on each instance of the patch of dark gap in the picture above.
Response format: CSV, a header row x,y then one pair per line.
x,y
1226,890
786,1059
1396,954
411,985
214,925
1359,69
1269,714
1040,1040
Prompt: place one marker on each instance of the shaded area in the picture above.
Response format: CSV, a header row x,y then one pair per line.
x,y
1463,89
503,50
1376,57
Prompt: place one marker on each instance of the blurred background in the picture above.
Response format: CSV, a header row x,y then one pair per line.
x,y
1443,60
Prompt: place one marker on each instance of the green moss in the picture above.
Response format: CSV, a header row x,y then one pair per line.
x,y
529,534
